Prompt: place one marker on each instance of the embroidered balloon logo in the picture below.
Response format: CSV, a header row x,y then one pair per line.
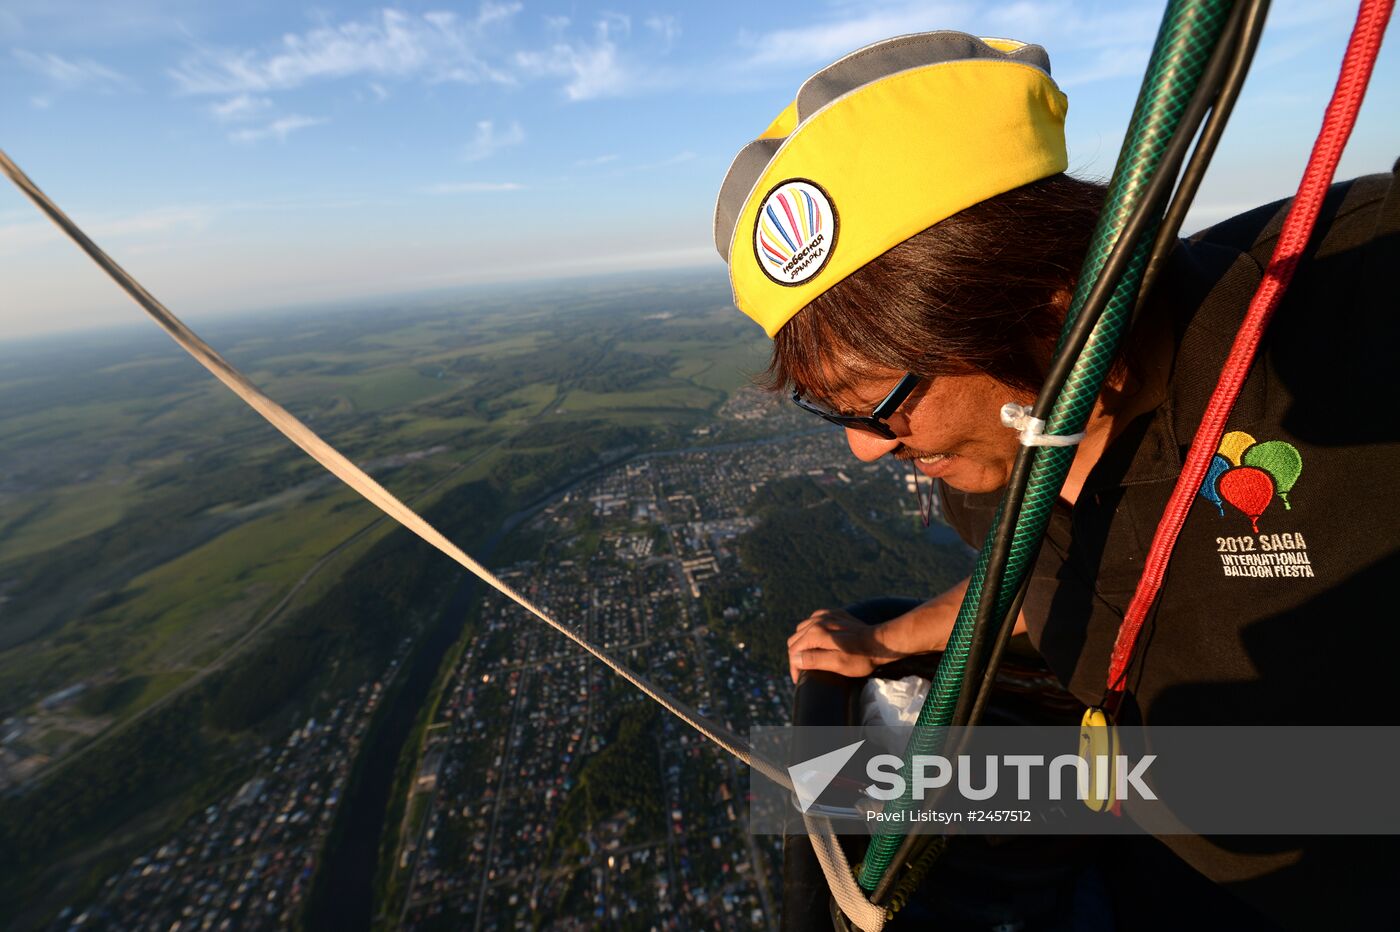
x,y
1280,460
1233,444
1210,488
1248,474
1248,489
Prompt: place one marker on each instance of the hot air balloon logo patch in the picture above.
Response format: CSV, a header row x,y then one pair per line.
x,y
1249,475
795,231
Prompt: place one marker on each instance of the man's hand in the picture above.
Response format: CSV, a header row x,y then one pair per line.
x,y
835,640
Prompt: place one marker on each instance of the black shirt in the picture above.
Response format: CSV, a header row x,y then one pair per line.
x,y
1279,617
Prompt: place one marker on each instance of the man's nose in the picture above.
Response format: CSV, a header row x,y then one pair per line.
x,y
867,446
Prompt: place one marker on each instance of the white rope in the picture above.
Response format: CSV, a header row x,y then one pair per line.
x,y
343,469
829,854
1032,429
867,916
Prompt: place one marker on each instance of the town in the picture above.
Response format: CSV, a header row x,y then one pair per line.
x,y
521,743
246,862
547,790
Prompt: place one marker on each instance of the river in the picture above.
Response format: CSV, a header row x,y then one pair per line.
x,y
343,898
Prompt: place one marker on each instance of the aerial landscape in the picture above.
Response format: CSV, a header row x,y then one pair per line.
x,y
594,365
234,696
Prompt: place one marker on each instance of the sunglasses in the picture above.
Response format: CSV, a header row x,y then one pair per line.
x,y
874,422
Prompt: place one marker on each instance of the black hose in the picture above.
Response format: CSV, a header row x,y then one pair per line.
x,y
1008,625
1144,216
1254,14
1252,17
1225,71
1257,12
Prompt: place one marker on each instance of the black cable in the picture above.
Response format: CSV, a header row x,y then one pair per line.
x,y
997,557
1257,12
1144,215
1141,220
914,844
1252,27
1251,18
1008,625
909,851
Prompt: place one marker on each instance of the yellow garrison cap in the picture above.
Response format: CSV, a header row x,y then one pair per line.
x,y
883,144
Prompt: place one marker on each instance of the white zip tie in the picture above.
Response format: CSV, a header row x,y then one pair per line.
x,y
1032,429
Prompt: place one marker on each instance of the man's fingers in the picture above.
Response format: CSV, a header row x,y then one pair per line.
x,y
808,622
823,641
815,638
834,661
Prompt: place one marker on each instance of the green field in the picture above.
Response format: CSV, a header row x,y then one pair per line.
x,y
150,524
97,449
62,514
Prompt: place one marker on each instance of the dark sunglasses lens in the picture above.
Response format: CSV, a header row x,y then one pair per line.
x,y
879,429
868,424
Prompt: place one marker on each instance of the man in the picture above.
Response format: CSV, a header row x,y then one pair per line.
x,y
907,225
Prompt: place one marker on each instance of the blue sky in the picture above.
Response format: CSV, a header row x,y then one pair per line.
x,y
237,156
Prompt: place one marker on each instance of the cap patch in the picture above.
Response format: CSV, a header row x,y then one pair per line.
x,y
795,231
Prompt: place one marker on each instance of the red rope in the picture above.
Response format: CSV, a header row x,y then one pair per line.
x,y
1337,124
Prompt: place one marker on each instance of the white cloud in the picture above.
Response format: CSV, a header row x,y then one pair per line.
x,y
1107,63
155,220
1086,44
1116,36
676,159
489,12
69,74
472,187
679,158
23,234
822,42
19,230
597,160
393,44
85,24
16,236
487,141
666,27
1059,24
617,24
437,46
592,68
260,121
278,129
242,107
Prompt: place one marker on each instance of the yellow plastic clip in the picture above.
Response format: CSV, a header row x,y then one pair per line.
x,y
1098,745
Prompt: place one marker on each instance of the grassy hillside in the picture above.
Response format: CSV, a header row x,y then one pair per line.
x,y
204,587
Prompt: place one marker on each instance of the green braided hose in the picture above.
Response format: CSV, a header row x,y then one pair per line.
x,y
1189,31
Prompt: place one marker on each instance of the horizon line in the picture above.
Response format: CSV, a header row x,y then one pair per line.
x,y
348,303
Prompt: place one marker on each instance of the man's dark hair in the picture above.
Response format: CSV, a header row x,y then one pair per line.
x,y
985,290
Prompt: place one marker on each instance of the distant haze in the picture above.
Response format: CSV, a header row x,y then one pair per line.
x,y
238,157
